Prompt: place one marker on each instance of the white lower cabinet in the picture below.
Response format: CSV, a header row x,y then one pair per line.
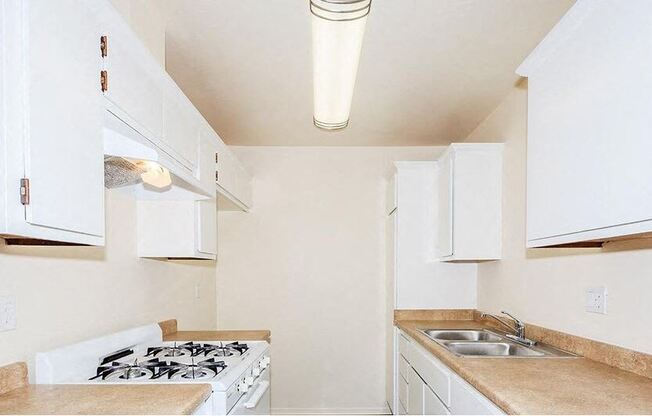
x,y
466,400
431,403
416,385
434,389
403,393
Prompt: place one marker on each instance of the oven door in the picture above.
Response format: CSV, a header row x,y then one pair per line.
x,y
257,401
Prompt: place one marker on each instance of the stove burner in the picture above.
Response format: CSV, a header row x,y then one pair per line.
x,y
188,349
196,371
134,373
222,350
123,371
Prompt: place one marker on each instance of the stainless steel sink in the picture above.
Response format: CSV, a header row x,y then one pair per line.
x,y
493,349
485,343
462,335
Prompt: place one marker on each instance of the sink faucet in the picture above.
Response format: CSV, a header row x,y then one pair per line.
x,y
518,327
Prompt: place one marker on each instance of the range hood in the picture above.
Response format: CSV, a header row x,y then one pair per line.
x,y
134,164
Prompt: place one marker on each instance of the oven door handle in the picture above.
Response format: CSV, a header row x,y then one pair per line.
x,y
257,395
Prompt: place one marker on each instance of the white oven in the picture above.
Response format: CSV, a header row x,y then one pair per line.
x,y
238,372
257,400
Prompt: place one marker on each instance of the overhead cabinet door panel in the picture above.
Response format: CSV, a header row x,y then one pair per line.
x,y
589,126
445,206
134,78
64,116
181,124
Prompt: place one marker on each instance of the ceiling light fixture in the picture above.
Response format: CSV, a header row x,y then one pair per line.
x,y
337,32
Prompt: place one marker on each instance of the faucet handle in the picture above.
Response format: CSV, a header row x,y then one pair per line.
x,y
517,321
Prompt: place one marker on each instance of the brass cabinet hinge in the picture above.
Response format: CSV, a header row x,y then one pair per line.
x,y
104,81
104,46
24,191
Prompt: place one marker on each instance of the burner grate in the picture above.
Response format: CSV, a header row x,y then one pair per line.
x,y
124,371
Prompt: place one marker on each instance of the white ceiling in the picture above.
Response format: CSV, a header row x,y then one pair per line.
x,y
430,70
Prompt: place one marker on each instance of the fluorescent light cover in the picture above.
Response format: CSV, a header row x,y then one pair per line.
x,y
337,33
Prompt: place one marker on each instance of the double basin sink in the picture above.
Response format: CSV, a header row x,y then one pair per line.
x,y
485,343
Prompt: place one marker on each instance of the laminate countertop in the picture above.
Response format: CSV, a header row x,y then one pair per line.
x,y
233,335
105,399
541,385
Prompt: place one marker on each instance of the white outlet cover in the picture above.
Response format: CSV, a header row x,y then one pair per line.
x,y
596,299
7,313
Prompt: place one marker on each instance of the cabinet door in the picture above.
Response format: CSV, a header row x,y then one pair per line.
x,y
431,403
208,143
64,156
466,400
445,206
390,195
415,393
207,226
225,168
181,125
392,354
589,127
135,78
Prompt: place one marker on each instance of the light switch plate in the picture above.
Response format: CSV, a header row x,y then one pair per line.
x,y
596,299
7,313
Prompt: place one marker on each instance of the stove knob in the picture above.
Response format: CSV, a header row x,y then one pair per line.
x,y
262,364
256,371
243,387
267,359
249,381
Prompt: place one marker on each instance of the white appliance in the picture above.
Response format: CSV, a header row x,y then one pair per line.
x,y
239,372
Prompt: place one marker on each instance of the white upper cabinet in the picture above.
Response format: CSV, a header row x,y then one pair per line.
x,y
469,202
445,206
208,148
135,79
181,124
52,113
391,201
589,126
233,181
177,229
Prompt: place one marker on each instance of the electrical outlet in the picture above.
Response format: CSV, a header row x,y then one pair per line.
x,y
7,313
596,299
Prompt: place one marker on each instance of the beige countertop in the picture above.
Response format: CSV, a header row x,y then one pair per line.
x,y
541,385
170,333
235,335
105,399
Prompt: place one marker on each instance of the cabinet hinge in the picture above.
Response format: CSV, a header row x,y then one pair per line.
x,y
217,176
24,191
104,81
104,46
216,158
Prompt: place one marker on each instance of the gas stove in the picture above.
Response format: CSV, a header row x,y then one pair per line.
x,y
176,361
238,372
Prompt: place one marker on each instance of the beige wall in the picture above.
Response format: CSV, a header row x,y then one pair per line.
x,y
308,263
546,286
68,294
